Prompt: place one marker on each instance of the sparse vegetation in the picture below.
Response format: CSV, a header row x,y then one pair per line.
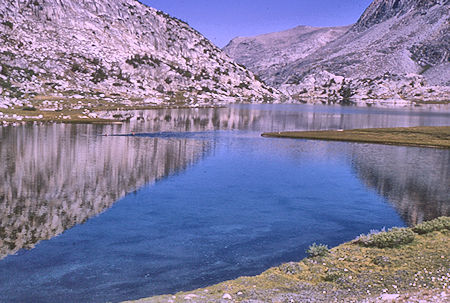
x,y
348,273
78,68
431,136
8,24
315,250
243,85
346,93
138,60
438,224
99,75
392,238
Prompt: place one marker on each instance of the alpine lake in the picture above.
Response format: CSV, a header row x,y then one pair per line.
x,y
184,198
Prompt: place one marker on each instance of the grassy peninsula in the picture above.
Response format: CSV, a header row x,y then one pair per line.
x,y
402,264
423,136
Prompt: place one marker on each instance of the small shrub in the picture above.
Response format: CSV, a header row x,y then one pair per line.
x,y
317,250
4,70
206,89
333,274
243,85
138,60
8,24
78,68
381,261
99,75
291,268
441,223
392,238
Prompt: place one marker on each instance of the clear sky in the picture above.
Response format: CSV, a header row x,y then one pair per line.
x,y
222,20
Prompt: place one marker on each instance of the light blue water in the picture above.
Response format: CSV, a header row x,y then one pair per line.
x,y
247,204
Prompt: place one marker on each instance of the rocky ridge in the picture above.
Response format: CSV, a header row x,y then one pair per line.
x,y
64,53
265,55
396,54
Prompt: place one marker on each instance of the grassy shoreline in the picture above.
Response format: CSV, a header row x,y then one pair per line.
x,y
417,264
423,136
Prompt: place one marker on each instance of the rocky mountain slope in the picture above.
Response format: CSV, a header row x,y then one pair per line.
x,y
265,55
397,53
64,52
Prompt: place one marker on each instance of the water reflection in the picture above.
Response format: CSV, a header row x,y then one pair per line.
x,y
249,204
279,118
54,177
414,180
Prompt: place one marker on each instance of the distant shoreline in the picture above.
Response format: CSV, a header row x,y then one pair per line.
x,y
117,114
101,115
423,136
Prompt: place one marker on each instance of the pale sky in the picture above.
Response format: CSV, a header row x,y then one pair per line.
x,y
221,20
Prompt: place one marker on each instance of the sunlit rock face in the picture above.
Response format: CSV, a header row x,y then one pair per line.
x,y
266,54
396,54
53,178
398,175
121,49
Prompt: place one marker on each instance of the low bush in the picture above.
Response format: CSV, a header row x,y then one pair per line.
x,y
99,75
333,274
317,250
441,223
392,238
8,24
29,108
291,268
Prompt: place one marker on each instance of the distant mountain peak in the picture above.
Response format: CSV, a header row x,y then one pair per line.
x,y
397,53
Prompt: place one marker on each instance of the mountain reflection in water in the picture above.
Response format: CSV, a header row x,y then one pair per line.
x,y
246,202
54,177
411,179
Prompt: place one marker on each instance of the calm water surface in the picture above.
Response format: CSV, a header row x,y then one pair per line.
x,y
198,197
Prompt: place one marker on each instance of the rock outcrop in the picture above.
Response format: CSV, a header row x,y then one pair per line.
x,y
398,53
265,55
118,51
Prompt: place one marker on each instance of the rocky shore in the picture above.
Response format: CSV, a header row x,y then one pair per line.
x,y
399,265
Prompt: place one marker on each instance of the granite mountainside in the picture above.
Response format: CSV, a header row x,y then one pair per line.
x,y
398,53
54,54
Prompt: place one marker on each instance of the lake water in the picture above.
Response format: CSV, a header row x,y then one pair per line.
x,y
197,197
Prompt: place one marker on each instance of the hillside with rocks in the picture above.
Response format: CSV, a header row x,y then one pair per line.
x,y
265,55
396,54
54,54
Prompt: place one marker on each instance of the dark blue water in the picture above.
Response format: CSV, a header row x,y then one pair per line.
x,y
247,204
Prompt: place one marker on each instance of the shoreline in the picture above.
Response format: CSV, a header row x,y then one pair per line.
x,y
422,136
415,264
105,115
91,113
